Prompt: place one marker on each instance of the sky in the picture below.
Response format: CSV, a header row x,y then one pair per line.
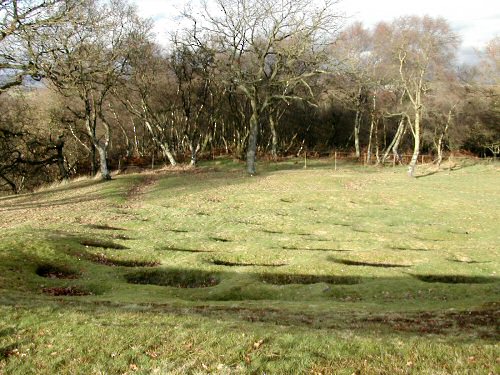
x,y
476,21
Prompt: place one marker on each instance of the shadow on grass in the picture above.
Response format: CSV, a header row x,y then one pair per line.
x,y
441,170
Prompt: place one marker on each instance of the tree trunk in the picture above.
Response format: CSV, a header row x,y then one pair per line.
x,y
274,134
252,142
60,159
168,154
103,162
194,147
440,141
357,126
357,123
416,146
93,160
372,125
11,183
369,151
395,141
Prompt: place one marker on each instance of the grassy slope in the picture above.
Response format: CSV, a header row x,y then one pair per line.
x,y
317,271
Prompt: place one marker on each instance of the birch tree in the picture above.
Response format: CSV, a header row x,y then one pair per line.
x,y
423,48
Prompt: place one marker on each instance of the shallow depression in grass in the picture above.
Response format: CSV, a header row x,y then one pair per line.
x,y
178,278
456,279
66,291
227,263
104,227
107,261
102,244
285,279
349,262
52,271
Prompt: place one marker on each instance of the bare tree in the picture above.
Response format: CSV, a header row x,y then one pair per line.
x,y
20,22
86,58
423,48
265,50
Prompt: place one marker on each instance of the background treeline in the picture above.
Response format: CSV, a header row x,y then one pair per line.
x,y
85,88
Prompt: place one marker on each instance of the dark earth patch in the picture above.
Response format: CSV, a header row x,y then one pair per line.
x,y
52,271
468,261
408,248
220,239
311,249
8,351
317,239
285,279
218,262
455,279
367,264
272,231
174,277
342,224
103,227
66,291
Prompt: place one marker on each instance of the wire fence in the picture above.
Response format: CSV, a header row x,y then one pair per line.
x,y
400,159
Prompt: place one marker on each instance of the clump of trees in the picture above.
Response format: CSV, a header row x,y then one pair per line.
x,y
85,88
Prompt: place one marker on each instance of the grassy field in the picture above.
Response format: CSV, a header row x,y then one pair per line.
x,y
209,271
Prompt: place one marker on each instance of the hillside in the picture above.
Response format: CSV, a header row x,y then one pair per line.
x,y
319,270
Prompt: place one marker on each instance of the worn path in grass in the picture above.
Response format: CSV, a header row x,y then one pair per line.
x,y
293,271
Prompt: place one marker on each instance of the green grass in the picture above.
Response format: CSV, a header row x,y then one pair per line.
x,y
354,270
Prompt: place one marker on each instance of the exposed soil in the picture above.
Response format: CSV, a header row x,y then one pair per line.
x,y
240,264
8,351
175,278
285,279
367,264
66,291
169,248
56,272
315,239
468,261
342,224
272,231
456,279
483,323
103,227
408,248
219,239
311,249
439,323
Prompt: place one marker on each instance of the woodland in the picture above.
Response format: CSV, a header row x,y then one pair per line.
x,y
86,89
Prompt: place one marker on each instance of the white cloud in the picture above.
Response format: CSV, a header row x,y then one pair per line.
x,y
476,21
